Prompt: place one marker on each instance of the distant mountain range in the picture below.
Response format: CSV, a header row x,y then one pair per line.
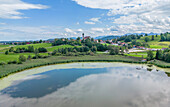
x,y
108,37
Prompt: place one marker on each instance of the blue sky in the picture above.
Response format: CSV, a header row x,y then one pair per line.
x,y
44,19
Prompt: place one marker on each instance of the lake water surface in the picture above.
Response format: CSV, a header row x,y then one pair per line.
x,y
87,85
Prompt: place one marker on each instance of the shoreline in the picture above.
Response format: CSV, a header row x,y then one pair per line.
x,y
65,61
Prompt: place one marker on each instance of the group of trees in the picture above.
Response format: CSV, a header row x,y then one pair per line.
x,y
115,51
165,37
128,38
134,42
147,39
26,42
77,50
30,49
160,55
163,55
65,41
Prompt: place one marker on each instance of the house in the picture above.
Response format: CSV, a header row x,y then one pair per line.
x,y
115,44
144,60
141,47
96,40
102,41
87,37
28,43
134,46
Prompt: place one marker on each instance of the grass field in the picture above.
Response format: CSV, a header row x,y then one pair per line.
x,y
15,56
139,54
49,47
12,68
156,44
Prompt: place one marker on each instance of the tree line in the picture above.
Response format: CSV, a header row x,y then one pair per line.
x,y
160,55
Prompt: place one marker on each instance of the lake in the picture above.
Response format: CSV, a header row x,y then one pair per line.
x,y
87,85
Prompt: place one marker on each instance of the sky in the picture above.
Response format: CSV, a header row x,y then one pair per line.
x,y
48,19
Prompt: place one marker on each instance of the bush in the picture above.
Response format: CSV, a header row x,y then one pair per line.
x,y
19,62
42,49
6,52
2,63
115,51
147,39
29,57
12,62
150,55
22,58
54,52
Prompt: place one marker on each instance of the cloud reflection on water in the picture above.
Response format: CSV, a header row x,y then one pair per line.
x,y
125,87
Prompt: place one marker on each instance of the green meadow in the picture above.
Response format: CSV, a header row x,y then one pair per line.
x,y
15,56
139,54
156,44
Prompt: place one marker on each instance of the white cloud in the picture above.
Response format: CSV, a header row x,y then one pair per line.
x,y
89,23
68,30
2,23
9,8
101,30
79,30
135,15
95,19
78,23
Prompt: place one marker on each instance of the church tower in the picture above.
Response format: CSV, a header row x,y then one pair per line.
x,y
83,36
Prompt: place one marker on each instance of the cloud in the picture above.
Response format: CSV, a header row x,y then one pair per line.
x,y
79,30
127,87
95,19
89,23
9,9
2,23
68,30
100,30
132,16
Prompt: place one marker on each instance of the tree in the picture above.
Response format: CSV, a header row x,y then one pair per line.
x,y
99,40
22,58
94,49
36,51
17,50
11,49
54,52
150,55
78,39
163,38
92,39
159,54
152,37
30,49
86,49
167,56
6,52
128,39
42,49
114,51
122,50
147,39
40,41
29,57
